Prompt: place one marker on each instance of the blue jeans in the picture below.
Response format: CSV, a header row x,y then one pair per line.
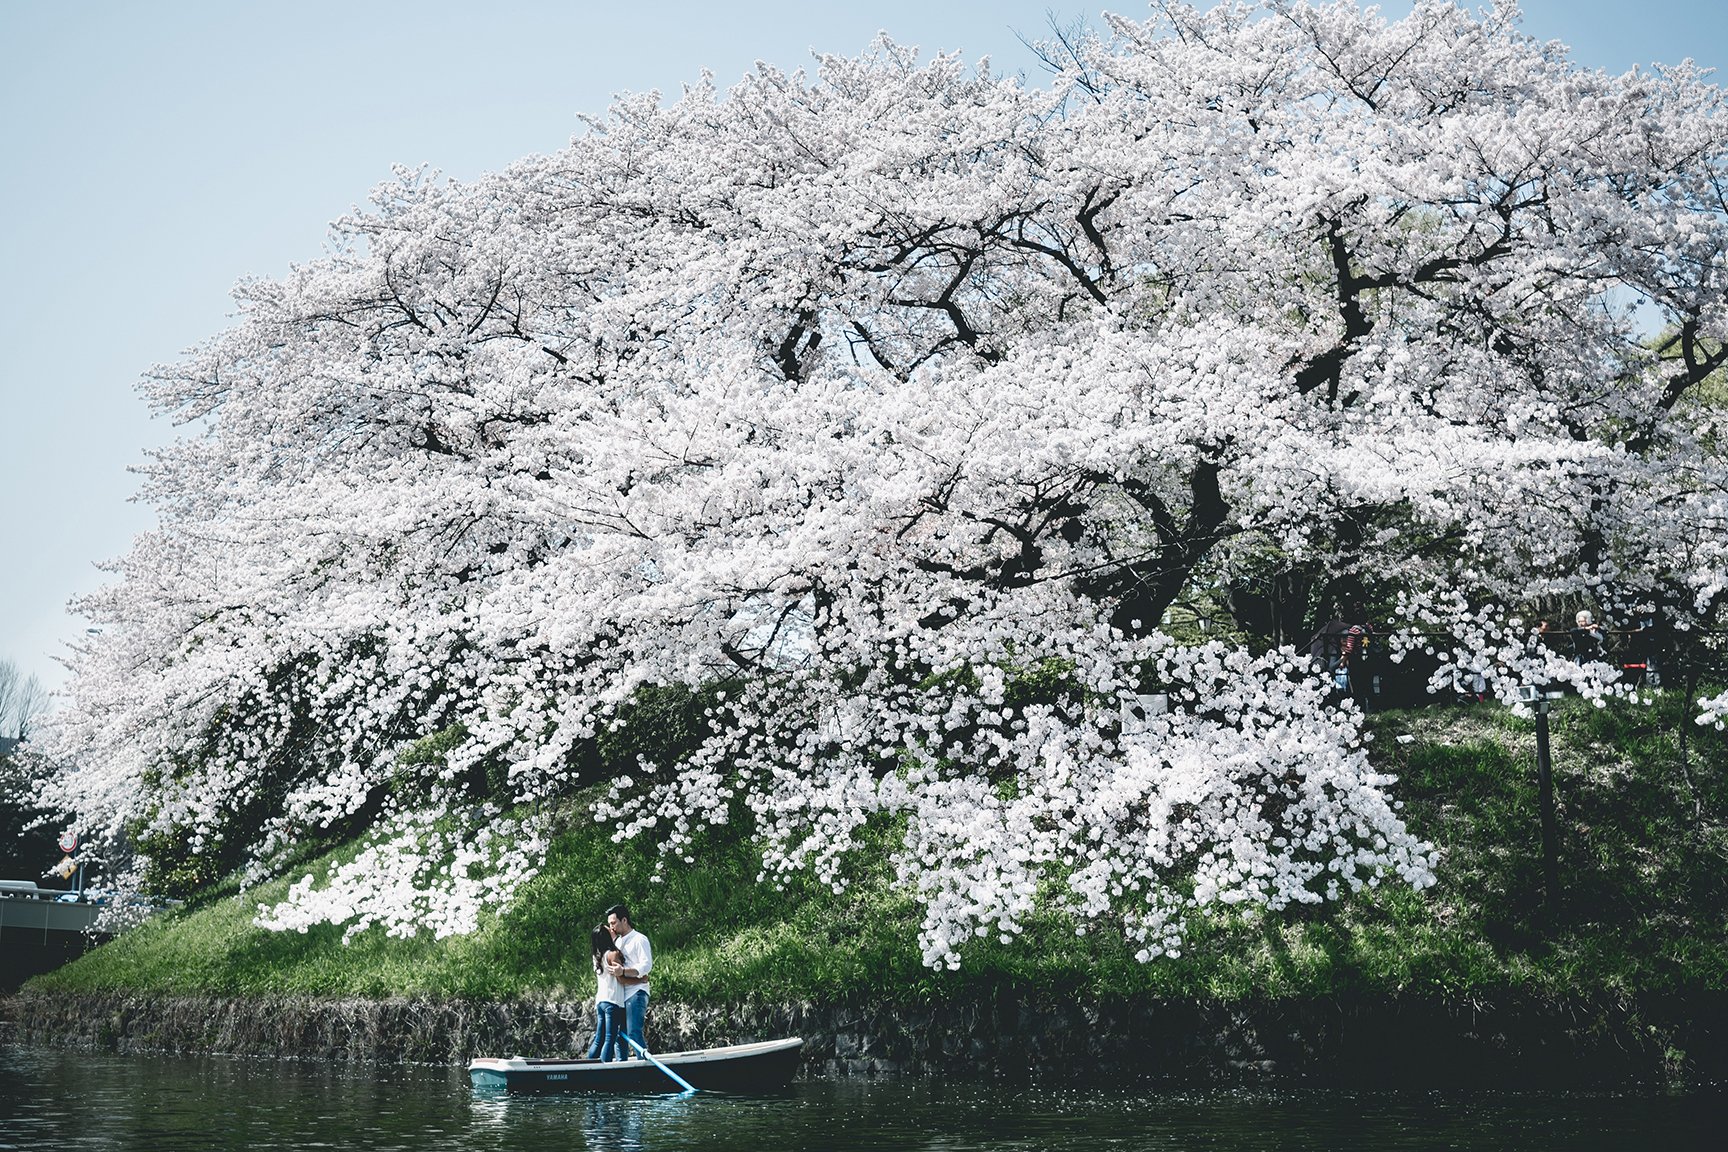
x,y
608,1043
635,1019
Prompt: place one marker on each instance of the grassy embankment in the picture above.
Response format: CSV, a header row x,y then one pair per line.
x,y
1644,862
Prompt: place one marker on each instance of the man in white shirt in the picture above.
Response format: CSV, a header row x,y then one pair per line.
x,y
632,972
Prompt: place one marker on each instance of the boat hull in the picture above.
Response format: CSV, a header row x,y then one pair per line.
x,y
738,1068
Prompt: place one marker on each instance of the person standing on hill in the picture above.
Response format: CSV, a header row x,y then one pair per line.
x,y
1587,637
631,969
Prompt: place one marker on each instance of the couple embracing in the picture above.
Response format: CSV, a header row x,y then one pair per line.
x,y
622,959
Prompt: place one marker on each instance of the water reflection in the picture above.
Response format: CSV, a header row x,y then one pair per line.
x,y
72,1102
614,1123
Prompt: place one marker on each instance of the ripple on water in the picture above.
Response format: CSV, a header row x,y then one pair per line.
x,y
69,1102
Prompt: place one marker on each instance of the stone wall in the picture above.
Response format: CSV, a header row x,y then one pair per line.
x,y
1366,1045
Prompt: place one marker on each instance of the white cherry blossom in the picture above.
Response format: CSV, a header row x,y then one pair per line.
x,y
894,409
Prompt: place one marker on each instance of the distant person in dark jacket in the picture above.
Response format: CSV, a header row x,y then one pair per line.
x,y
1587,637
1326,648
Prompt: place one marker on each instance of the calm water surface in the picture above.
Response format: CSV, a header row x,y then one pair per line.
x,y
68,1102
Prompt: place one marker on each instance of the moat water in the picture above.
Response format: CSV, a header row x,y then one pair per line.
x,y
57,1101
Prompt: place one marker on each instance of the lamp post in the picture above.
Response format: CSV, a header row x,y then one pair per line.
x,y
1543,699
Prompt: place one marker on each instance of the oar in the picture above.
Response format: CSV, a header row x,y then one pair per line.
x,y
649,1056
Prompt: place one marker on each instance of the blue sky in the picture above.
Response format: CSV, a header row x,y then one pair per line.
x,y
155,153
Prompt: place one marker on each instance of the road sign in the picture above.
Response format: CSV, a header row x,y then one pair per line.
x,y
68,840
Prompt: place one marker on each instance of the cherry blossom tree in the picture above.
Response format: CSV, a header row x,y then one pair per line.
x,y
22,702
889,414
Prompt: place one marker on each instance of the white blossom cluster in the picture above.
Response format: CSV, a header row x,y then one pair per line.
x,y
1715,711
1248,789
895,411
423,871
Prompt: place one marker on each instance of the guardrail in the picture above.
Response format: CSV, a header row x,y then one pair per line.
x,y
26,907
43,928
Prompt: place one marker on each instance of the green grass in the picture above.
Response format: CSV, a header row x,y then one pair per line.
x,y
1644,867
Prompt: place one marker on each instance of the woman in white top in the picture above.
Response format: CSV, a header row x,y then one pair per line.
x,y
608,1043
